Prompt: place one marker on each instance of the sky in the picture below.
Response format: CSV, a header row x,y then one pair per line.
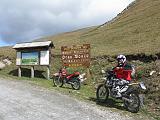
x,y
27,20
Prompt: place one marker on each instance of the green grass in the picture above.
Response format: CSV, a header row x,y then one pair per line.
x,y
146,112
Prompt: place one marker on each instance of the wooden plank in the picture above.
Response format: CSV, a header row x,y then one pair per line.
x,y
19,71
32,71
48,72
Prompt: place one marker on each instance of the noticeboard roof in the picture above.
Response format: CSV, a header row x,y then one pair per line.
x,y
33,45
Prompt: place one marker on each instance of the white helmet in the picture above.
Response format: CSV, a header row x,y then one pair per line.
x,y
121,58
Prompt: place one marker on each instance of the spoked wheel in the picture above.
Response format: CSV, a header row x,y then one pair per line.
x,y
58,81
76,84
134,103
102,93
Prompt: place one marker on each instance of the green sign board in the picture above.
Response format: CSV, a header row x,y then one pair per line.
x,y
30,58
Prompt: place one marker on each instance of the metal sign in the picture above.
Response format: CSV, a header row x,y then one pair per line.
x,y
76,55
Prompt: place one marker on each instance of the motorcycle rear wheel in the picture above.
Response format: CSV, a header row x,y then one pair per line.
x,y
57,81
135,104
102,93
76,85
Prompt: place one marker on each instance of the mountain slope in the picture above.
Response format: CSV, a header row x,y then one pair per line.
x,y
135,30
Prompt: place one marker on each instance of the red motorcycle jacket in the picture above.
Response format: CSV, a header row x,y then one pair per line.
x,y
123,72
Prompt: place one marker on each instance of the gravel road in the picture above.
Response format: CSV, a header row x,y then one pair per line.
x,y
19,100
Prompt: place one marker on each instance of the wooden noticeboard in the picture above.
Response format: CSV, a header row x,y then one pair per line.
x,y
76,55
33,54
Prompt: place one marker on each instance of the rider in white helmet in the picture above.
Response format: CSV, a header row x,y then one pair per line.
x,y
121,60
123,72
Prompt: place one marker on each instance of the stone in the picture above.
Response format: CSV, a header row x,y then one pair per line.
x,y
7,62
152,72
2,65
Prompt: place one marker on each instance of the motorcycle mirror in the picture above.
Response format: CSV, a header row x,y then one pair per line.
x,y
103,71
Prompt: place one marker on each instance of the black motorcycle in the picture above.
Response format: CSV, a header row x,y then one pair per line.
x,y
110,88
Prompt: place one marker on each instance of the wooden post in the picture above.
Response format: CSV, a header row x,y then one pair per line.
x,y
88,81
19,71
32,71
48,72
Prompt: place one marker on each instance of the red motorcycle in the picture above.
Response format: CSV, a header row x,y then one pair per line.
x,y
62,77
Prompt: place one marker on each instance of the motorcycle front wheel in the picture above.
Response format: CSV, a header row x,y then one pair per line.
x,y
76,84
134,103
102,93
58,81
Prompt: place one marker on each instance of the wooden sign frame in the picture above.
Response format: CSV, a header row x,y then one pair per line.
x,y
76,55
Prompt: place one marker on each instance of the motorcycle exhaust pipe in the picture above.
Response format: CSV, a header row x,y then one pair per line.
x,y
126,99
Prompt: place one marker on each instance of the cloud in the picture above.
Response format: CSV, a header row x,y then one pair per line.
x,y
31,19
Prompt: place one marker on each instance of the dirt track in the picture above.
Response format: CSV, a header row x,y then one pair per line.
x,y
20,100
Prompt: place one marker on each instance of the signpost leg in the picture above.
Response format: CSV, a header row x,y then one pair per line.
x,y
19,71
32,72
48,72
88,81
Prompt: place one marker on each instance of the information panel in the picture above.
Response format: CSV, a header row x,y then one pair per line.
x,y
30,58
44,57
76,55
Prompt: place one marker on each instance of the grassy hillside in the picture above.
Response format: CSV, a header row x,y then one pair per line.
x,y
135,30
7,52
